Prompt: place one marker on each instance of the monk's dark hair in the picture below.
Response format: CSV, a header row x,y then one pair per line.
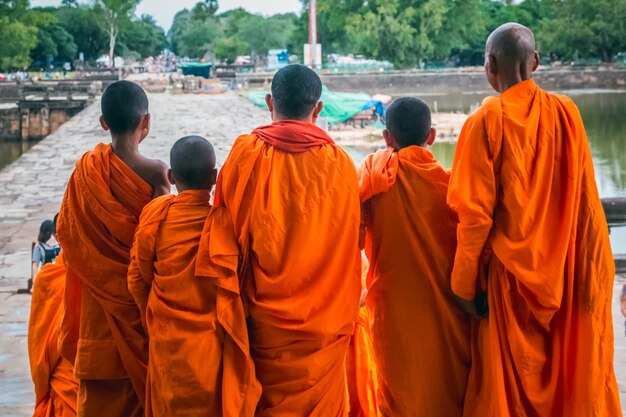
x,y
192,159
408,120
123,105
296,90
45,231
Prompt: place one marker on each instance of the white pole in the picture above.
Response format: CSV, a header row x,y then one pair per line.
x,y
313,32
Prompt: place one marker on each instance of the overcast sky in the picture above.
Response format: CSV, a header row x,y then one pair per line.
x,y
164,10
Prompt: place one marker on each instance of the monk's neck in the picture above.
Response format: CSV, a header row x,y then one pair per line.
x,y
510,82
125,146
278,118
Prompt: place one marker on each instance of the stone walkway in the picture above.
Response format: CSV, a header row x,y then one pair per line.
x,y
32,189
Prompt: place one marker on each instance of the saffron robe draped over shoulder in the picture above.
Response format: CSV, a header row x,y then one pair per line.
x,y
101,330
524,189
187,358
56,389
295,211
421,339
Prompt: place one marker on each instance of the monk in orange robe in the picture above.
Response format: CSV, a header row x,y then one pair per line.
x,y
293,197
421,338
360,366
533,235
56,389
101,331
193,359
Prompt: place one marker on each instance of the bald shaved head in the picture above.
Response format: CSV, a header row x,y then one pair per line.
x,y
511,41
510,56
192,159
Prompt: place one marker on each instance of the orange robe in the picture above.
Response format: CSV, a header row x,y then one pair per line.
x,y
532,227
293,197
56,389
189,365
421,339
361,370
101,329
360,365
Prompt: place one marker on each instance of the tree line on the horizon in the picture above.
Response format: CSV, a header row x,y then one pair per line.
x,y
408,33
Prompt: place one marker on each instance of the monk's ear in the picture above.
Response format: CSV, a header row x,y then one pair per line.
x,y
389,140
103,123
317,110
270,102
535,61
213,177
431,136
493,64
170,176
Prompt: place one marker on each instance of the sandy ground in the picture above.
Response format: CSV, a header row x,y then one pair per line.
x,y
32,189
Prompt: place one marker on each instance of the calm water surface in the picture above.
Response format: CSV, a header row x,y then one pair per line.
x,y
10,151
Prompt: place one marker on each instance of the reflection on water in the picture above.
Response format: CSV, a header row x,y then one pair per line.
x,y
604,115
11,150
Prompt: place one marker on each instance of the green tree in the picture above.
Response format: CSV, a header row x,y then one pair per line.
x,y
54,42
16,41
87,29
404,32
229,48
195,41
257,33
143,36
179,25
116,13
18,32
583,28
204,10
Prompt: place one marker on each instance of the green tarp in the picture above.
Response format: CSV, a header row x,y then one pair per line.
x,y
199,69
338,107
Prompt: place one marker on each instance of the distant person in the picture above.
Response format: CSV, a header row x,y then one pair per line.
x,y
293,197
421,338
56,388
102,333
533,235
45,249
194,323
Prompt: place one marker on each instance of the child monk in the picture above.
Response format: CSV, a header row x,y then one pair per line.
x,y
190,342
56,388
101,330
421,338
293,197
530,216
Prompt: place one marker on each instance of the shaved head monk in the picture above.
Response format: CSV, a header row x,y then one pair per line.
x,y
56,388
421,338
293,197
101,331
192,353
534,238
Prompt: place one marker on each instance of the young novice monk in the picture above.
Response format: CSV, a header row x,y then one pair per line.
x,y
188,339
56,389
421,339
101,331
